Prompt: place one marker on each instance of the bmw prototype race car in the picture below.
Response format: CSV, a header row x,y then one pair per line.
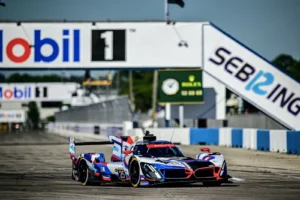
x,y
146,162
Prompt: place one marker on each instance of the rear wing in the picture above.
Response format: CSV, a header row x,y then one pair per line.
x,y
73,144
121,146
72,148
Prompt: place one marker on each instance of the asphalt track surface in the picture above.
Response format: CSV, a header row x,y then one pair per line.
x,y
37,166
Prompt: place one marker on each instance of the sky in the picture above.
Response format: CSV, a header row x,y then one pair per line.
x,y
270,27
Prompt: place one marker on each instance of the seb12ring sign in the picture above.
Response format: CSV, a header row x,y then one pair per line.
x,y
251,77
258,82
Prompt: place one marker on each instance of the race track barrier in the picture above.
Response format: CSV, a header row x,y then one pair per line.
x,y
253,139
180,136
282,141
91,130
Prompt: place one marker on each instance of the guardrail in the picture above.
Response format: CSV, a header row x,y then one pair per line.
x,y
255,139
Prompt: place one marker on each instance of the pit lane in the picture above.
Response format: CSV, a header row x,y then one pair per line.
x,y
37,166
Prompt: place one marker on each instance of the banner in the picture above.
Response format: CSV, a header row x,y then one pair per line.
x,y
17,116
37,91
180,86
252,77
101,45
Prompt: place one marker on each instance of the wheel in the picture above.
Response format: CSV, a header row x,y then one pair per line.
x,y
134,173
212,183
83,172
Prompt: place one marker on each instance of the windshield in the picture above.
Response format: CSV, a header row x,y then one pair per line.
x,y
165,152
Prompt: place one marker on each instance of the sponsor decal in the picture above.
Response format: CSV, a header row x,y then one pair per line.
x,y
144,183
18,92
121,173
102,169
257,82
11,116
33,49
15,93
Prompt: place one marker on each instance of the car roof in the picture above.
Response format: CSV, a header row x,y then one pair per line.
x,y
154,142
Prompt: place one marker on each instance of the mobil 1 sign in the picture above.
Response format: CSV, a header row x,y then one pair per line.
x,y
180,86
146,45
37,91
7,116
108,45
101,45
252,77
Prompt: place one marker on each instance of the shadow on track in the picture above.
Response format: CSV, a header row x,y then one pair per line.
x,y
170,185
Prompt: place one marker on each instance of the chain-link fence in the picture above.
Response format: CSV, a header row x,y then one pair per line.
x,y
108,112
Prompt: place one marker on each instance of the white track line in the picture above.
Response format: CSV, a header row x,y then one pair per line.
x,y
237,179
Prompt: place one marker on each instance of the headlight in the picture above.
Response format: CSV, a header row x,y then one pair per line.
x,y
186,165
223,169
150,171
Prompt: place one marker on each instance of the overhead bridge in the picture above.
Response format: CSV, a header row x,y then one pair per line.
x,y
156,45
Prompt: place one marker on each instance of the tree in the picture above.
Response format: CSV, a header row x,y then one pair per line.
x,y
87,75
295,71
142,87
288,65
2,78
33,115
27,78
51,118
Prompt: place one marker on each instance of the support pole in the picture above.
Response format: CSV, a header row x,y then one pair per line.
x,y
181,115
154,95
168,114
166,10
131,96
118,81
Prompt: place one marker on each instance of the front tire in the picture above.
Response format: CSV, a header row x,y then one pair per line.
x,y
134,173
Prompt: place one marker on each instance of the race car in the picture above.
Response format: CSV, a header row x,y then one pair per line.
x,y
146,162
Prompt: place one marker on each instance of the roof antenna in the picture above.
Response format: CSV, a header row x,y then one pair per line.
x,y
147,133
149,137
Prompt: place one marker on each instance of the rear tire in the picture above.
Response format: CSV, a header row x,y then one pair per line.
x,y
134,173
83,172
73,172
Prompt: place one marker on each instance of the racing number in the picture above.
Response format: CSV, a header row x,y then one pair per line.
x,y
122,174
108,45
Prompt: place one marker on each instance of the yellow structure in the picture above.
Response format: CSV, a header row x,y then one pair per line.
x,y
98,82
